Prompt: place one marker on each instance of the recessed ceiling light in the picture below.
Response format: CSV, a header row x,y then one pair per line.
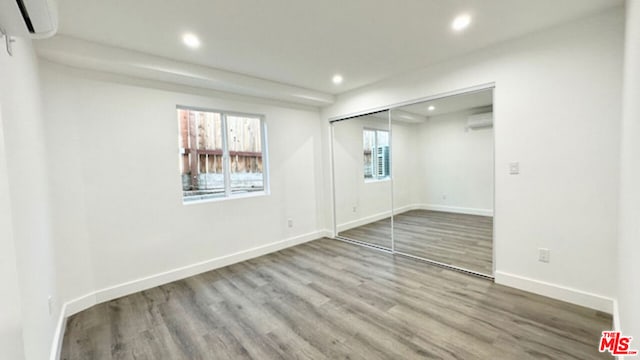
x,y
431,108
191,41
337,79
461,22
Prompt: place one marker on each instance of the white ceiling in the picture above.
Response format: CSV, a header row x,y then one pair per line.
x,y
419,112
303,43
450,104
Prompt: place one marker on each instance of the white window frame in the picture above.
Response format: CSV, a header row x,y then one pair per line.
x,y
226,159
374,161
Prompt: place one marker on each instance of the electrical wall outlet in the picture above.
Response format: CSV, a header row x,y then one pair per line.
x,y
290,222
514,168
544,255
444,196
355,209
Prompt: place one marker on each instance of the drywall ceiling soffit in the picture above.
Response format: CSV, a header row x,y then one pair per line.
x,y
93,56
304,43
419,112
400,115
450,104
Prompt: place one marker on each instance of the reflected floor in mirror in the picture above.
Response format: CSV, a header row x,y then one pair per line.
x,y
377,233
461,240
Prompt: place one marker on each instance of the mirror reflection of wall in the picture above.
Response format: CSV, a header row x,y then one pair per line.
x,y
417,180
443,180
361,155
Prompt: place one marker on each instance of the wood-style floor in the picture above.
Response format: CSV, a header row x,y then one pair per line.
x,y
377,233
464,241
461,240
331,300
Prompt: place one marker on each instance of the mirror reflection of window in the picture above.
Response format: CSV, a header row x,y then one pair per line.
x,y
376,154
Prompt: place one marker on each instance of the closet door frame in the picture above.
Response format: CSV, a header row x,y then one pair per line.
x,y
389,108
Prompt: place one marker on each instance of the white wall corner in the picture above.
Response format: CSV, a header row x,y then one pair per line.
x,y
558,292
615,326
616,322
405,208
615,313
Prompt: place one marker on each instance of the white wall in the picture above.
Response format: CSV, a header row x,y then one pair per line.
x,y
26,240
371,199
429,159
118,189
405,165
557,102
456,167
629,245
11,344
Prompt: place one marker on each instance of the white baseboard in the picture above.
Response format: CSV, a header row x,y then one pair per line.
x,y
615,314
457,209
69,308
78,304
405,208
58,335
383,215
555,291
444,208
363,221
616,323
113,292
130,287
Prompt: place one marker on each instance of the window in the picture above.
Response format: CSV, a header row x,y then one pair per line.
x,y
376,154
221,154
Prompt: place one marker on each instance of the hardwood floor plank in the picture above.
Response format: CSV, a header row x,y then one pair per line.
x,y
331,300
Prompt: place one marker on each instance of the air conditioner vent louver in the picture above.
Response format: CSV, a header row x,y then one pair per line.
x,y
29,18
25,16
479,121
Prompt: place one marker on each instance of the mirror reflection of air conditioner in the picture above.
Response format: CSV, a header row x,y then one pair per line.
x,y
36,19
480,121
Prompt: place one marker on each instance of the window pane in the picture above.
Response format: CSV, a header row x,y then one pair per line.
x,y
369,140
201,164
382,151
383,138
376,154
244,139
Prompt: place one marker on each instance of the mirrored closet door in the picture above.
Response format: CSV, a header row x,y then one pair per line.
x,y
362,179
443,181
418,180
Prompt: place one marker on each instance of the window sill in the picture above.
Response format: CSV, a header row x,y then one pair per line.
x,y
369,181
227,198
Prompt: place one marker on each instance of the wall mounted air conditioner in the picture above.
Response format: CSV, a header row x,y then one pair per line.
x,y
480,121
36,19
